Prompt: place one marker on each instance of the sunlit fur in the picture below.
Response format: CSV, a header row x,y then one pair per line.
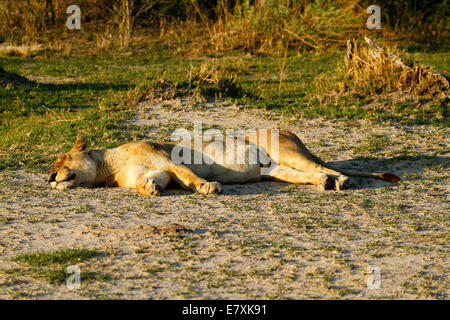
x,y
147,167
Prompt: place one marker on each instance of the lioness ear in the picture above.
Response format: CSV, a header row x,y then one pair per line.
x,y
80,144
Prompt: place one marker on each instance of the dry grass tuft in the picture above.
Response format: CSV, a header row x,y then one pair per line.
x,y
22,50
372,72
266,26
213,78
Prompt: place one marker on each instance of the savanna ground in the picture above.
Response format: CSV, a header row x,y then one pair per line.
x,y
266,240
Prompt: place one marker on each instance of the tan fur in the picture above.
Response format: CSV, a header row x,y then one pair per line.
x,y
147,167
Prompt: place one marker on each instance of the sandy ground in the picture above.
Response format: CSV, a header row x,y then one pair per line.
x,y
262,240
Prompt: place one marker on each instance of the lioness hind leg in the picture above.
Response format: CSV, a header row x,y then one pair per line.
x,y
302,163
299,161
321,180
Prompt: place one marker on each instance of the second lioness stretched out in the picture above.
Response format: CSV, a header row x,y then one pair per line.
x,y
149,168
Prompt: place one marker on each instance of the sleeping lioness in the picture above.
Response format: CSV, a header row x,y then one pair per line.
x,y
148,167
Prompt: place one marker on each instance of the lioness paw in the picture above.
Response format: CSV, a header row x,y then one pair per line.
x,y
325,183
210,188
61,185
341,183
151,188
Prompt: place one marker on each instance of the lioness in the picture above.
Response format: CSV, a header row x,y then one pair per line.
x,y
148,167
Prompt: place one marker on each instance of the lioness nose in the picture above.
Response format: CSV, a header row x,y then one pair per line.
x,y
52,177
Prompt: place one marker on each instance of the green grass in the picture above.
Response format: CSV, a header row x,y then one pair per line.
x,y
51,266
56,276
60,257
38,122
94,94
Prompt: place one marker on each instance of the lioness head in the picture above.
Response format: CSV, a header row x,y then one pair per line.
x,y
74,168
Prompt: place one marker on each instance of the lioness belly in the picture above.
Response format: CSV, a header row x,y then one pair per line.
x,y
228,173
225,165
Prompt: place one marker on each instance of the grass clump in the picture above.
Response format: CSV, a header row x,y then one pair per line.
x,y
266,26
214,79
57,276
392,85
51,266
61,257
370,72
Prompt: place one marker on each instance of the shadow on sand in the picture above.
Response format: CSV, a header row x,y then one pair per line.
x,y
399,165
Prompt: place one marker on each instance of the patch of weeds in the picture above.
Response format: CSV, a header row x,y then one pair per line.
x,y
344,291
373,143
372,75
160,266
60,276
84,208
331,248
367,203
261,273
140,250
166,129
154,269
61,257
54,276
326,278
10,282
214,79
5,220
303,223
42,265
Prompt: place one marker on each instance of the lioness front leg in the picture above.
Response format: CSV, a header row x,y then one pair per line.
x,y
152,183
189,180
146,182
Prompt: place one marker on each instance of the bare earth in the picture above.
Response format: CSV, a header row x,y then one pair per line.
x,y
264,240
